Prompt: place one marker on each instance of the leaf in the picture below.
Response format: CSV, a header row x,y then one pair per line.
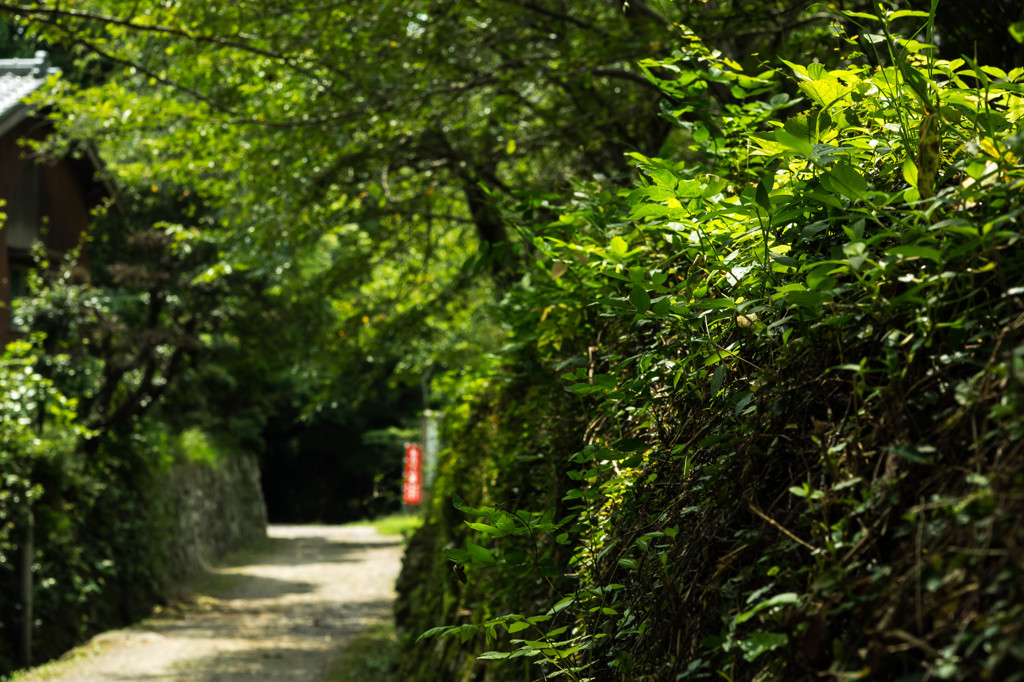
x,y
781,259
714,186
718,356
689,189
768,144
783,599
461,505
714,303
799,70
825,92
758,643
493,656
819,278
916,454
519,626
619,247
845,180
456,555
858,15
442,630
762,197
716,380
916,252
910,172
484,528
664,178
1017,31
480,555
563,603
808,299
816,71
797,144
650,211
907,13
640,299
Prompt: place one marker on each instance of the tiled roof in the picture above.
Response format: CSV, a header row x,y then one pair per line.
x,y
18,79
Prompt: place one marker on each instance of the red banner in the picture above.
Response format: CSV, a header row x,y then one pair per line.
x,y
412,480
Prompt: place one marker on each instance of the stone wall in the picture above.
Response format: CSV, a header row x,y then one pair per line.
x,y
212,508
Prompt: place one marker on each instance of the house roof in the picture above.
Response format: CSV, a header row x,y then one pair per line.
x,y
19,78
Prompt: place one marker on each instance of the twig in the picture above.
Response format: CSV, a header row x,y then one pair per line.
x,y
753,507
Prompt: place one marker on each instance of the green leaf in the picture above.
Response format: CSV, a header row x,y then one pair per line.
x,y
782,259
518,626
689,189
768,143
442,630
461,505
908,252
910,172
619,247
480,554
797,144
640,299
916,454
783,599
858,15
808,299
649,211
799,70
484,528
762,197
819,278
844,179
1017,31
714,186
758,643
825,92
716,380
493,656
918,83
664,178
457,555
714,303
907,13
718,356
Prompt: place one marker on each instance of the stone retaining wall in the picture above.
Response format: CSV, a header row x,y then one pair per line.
x,y
213,508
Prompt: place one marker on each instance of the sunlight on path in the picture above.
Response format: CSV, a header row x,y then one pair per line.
x,y
286,616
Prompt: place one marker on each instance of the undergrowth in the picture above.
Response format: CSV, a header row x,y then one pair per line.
x,y
760,416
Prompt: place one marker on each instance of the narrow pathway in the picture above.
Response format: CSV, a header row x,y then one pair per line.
x,y
286,616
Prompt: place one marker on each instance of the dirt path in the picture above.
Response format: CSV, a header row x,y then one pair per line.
x,y
286,616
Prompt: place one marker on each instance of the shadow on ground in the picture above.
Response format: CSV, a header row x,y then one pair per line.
x,y
280,648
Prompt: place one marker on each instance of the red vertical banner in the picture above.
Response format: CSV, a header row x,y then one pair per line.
x,y
412,481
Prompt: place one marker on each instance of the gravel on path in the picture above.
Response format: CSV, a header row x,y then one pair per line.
x,y
285,618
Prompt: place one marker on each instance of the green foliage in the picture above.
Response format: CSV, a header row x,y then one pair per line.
x,y
794,353
52,484
369,656
760,360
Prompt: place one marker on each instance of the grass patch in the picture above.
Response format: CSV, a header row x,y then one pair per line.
x,y
369,656
394,524
56,667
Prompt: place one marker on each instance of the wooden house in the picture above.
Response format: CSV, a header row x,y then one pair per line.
x,y
46,201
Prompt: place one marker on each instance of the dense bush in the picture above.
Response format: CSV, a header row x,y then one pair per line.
x,y
793,366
